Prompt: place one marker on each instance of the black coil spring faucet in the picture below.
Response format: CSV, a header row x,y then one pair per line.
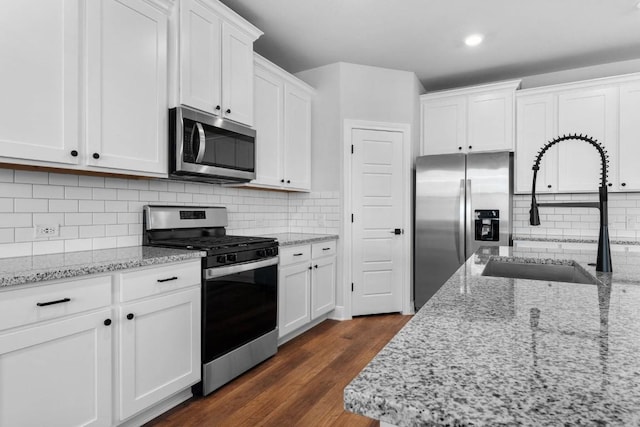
x,y
603,263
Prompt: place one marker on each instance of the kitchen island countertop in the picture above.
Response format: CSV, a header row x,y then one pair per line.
x,y
41,268
503,351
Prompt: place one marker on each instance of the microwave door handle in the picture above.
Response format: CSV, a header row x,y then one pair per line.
x,y
200,155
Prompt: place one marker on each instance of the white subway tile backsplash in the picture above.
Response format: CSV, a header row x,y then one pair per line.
x,y
10,189
31,205
77,193
31,177
97,212
91,206
63,179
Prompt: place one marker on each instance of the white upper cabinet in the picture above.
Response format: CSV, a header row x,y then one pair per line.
x,y
588,111
472,119
127,86
201,50
628,178
297,137
282,110
112,55
40,81
216,60
536,126
444,125
604,109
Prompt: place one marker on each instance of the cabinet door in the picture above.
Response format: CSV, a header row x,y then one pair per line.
x,y
159,352
444,125
237,75
268,123
57,374
293,301
40,80
535,127
127,86
629,143
297,138
200,53
592,112
323,286
490,121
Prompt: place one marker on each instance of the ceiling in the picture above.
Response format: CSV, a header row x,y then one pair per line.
x,y
426,36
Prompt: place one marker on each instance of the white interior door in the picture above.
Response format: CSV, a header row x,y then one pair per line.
x,y
378,207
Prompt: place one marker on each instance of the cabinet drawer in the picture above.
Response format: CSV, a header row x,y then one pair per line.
x,y
25,306
295,254
157,280
323,249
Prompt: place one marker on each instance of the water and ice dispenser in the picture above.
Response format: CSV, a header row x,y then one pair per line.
x,y
487,225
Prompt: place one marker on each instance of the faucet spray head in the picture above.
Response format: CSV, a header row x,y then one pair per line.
x,y
534,215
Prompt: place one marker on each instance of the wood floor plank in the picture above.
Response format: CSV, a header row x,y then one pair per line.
x,y
302,385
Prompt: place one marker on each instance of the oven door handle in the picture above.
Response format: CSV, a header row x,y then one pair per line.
x,y
211,273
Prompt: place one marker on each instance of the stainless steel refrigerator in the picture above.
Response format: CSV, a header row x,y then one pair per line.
x,y
462,202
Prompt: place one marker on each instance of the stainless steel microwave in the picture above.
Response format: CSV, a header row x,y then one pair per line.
x,y
206,148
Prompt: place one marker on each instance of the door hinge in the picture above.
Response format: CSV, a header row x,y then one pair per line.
x,y
351,148
351,217
351,286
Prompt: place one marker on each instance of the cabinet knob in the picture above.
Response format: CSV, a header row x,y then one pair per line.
x,y
228,111
470,147
549,186
74,153
610,184
288,181
217,108
96,155
459,148
624,184
315,266
282,180
107,322
310,267
130,316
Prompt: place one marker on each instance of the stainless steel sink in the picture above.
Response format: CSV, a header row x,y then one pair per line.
x,y
571,272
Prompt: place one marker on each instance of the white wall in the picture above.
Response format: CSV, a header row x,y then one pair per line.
x,y
584,73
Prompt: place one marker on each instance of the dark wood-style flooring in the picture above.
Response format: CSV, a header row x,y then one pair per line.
x,y
301,386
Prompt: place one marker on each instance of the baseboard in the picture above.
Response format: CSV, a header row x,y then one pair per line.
x,y
158,409
302,329
338,313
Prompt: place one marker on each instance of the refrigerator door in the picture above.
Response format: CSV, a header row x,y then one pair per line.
x,y
489,188
439,222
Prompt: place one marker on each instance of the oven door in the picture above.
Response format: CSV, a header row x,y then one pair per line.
x,y
239,304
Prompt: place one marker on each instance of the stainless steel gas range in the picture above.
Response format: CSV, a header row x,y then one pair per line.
x,y
239,288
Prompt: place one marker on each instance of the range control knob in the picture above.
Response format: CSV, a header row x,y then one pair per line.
x,y
262,253
232,257
221,259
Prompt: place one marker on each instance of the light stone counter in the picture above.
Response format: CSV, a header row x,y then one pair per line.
x,y
489,351
292,239
39,268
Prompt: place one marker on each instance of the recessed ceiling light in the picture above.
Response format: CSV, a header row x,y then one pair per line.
x,y
473,39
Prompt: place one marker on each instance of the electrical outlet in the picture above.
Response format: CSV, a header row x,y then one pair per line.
x,y
47,230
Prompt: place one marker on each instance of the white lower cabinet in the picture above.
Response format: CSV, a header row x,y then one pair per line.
x,y
58,373
159,349
65,346
307,286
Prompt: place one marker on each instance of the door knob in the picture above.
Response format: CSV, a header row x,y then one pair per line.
x,y
397,231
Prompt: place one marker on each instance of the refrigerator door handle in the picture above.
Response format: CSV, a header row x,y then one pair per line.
x,y
459,232
469,220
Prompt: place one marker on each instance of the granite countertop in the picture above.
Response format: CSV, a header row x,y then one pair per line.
x,y
39,268
291,239
502,351
564,239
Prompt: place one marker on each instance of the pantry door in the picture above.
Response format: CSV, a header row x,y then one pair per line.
x,y
378,223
